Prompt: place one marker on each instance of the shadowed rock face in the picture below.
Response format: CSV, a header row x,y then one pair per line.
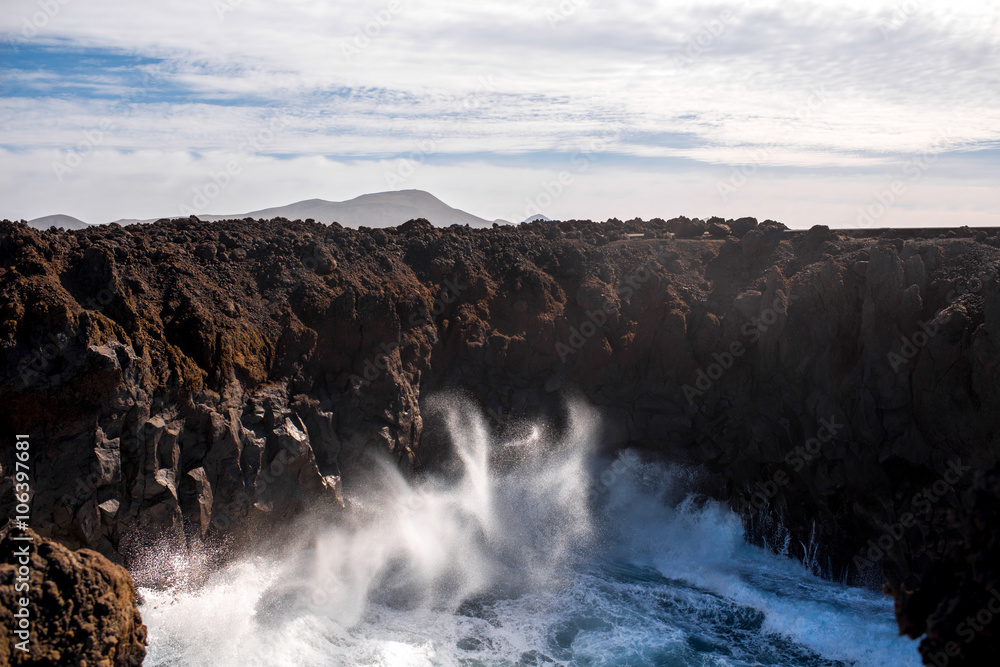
x,y
221,376
83,608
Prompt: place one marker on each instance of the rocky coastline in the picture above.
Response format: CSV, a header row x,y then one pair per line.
x,y
838,387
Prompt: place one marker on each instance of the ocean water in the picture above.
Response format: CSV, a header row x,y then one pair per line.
x,y
525,554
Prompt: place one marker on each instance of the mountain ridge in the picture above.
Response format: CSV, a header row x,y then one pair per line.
x,y
376,209
58,220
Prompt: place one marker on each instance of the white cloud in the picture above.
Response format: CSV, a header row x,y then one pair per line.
x,y
150,184
712,83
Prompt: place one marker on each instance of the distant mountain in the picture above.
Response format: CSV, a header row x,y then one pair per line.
x,y
382,209
59,220
534,218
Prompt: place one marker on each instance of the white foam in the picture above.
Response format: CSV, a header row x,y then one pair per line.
x,y
513,566
703,544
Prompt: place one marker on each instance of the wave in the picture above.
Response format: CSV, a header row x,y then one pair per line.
x,y
528,552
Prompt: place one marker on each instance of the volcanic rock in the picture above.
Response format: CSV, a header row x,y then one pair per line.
x,y
167,391
82,607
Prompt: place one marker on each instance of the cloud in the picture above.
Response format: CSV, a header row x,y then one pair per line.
x,y
149,184
814,84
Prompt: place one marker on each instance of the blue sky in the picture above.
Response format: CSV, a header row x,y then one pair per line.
x,y
806,112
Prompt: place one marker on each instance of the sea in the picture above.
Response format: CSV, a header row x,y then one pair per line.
x,y
530,551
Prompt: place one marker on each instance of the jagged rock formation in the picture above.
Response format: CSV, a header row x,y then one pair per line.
x,y
957,601
82,607
219,376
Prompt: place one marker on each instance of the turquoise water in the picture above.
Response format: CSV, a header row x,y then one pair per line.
x,y
519,564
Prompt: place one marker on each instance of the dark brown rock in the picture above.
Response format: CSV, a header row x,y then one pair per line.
x,y
718,230
226,396
685,228
742,225
82,607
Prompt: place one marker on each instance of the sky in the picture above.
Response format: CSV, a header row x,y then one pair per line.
x,y
849,114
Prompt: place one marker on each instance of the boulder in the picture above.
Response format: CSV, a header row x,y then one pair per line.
x,y
82,606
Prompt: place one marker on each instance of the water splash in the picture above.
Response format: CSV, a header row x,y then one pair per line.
x,y
428,546
508,560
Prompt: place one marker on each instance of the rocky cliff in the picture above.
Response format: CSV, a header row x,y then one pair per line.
x,y
839,389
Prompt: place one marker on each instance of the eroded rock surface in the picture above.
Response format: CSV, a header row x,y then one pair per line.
x,y
82,607
220,376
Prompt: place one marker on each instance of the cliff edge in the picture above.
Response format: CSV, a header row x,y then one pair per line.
x,y
840,389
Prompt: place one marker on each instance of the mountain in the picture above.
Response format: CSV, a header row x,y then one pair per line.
x,y
59,220
381,209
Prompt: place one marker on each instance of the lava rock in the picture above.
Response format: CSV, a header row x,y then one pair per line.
x,y
83,607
